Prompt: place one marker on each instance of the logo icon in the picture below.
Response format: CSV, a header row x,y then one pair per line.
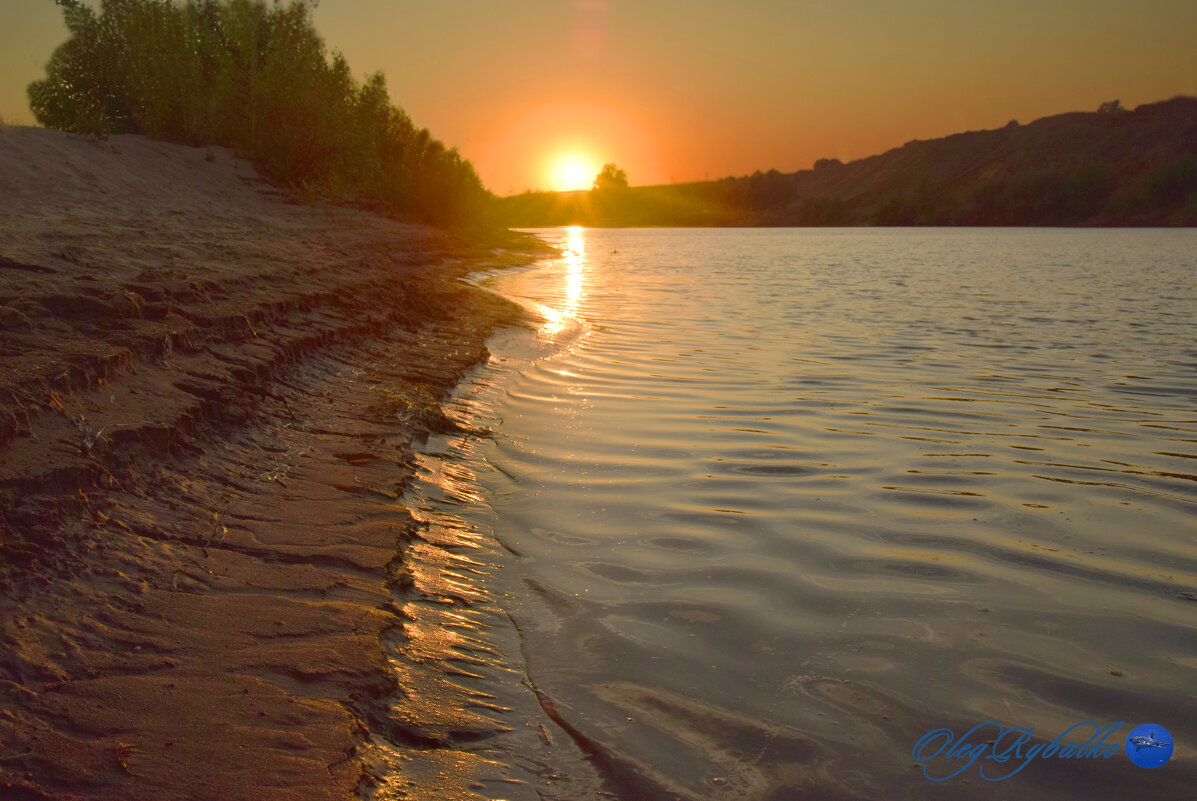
x,y
1149,745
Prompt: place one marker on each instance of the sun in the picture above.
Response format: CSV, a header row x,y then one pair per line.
x,y
572,171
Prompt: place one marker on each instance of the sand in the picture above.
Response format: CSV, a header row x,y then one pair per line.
x,y
209,398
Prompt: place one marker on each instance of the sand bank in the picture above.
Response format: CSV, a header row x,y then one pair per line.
x,y
208,400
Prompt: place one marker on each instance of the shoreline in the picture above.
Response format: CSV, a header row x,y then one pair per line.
x,y
211,397
768,496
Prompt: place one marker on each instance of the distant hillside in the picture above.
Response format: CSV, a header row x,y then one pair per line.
x,y
1109,167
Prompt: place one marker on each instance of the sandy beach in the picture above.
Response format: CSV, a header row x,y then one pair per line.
x,y
209,395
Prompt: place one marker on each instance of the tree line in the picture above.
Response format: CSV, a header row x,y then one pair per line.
x,y
255,77
1109,167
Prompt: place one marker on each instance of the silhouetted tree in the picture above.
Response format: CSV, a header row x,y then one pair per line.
x,y
611,177
1112,107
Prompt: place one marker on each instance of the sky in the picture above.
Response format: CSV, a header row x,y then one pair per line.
x,y
539,94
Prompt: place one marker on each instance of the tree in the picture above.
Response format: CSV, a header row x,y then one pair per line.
x,y
1112,107
255,76
611,177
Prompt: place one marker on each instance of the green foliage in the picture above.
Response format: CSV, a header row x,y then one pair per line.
x,y
1173,182
1044,197
256,77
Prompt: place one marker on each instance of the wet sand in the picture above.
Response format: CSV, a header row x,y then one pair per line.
x,y
209,396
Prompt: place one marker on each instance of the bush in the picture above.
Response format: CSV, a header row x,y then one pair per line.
x,y
610,178
1173,182
827,164
254,77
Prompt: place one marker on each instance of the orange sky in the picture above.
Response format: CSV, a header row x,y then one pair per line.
x,y
675,90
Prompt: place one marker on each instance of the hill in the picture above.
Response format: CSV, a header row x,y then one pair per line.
x,y
1110,167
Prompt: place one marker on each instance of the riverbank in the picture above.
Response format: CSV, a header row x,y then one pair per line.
x,y
209,396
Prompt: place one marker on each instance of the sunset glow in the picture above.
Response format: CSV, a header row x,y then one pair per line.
x,y
753,397
572,172
675,91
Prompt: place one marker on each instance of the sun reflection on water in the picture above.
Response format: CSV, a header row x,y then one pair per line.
x,y
573,258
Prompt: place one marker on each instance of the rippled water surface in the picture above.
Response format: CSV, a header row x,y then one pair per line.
x,y
781,501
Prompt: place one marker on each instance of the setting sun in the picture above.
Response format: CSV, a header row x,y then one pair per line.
x,y
573,172
762,399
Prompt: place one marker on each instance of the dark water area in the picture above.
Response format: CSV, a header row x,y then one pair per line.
x,y
759,509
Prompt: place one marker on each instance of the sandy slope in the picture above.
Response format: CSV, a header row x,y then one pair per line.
x,y
208,397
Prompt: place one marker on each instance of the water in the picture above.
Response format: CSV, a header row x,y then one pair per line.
x,y
776,503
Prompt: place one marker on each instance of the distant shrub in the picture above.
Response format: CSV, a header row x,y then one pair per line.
x,y
1173,182
822,211
610,178
1083,193
253,76
1048,196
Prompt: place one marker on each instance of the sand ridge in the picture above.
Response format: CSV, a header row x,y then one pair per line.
x,y
209,395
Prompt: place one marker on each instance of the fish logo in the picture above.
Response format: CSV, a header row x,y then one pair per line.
x,y
1149,745
1147,741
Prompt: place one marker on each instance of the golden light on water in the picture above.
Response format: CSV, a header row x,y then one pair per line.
x,y
573,259
575,266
